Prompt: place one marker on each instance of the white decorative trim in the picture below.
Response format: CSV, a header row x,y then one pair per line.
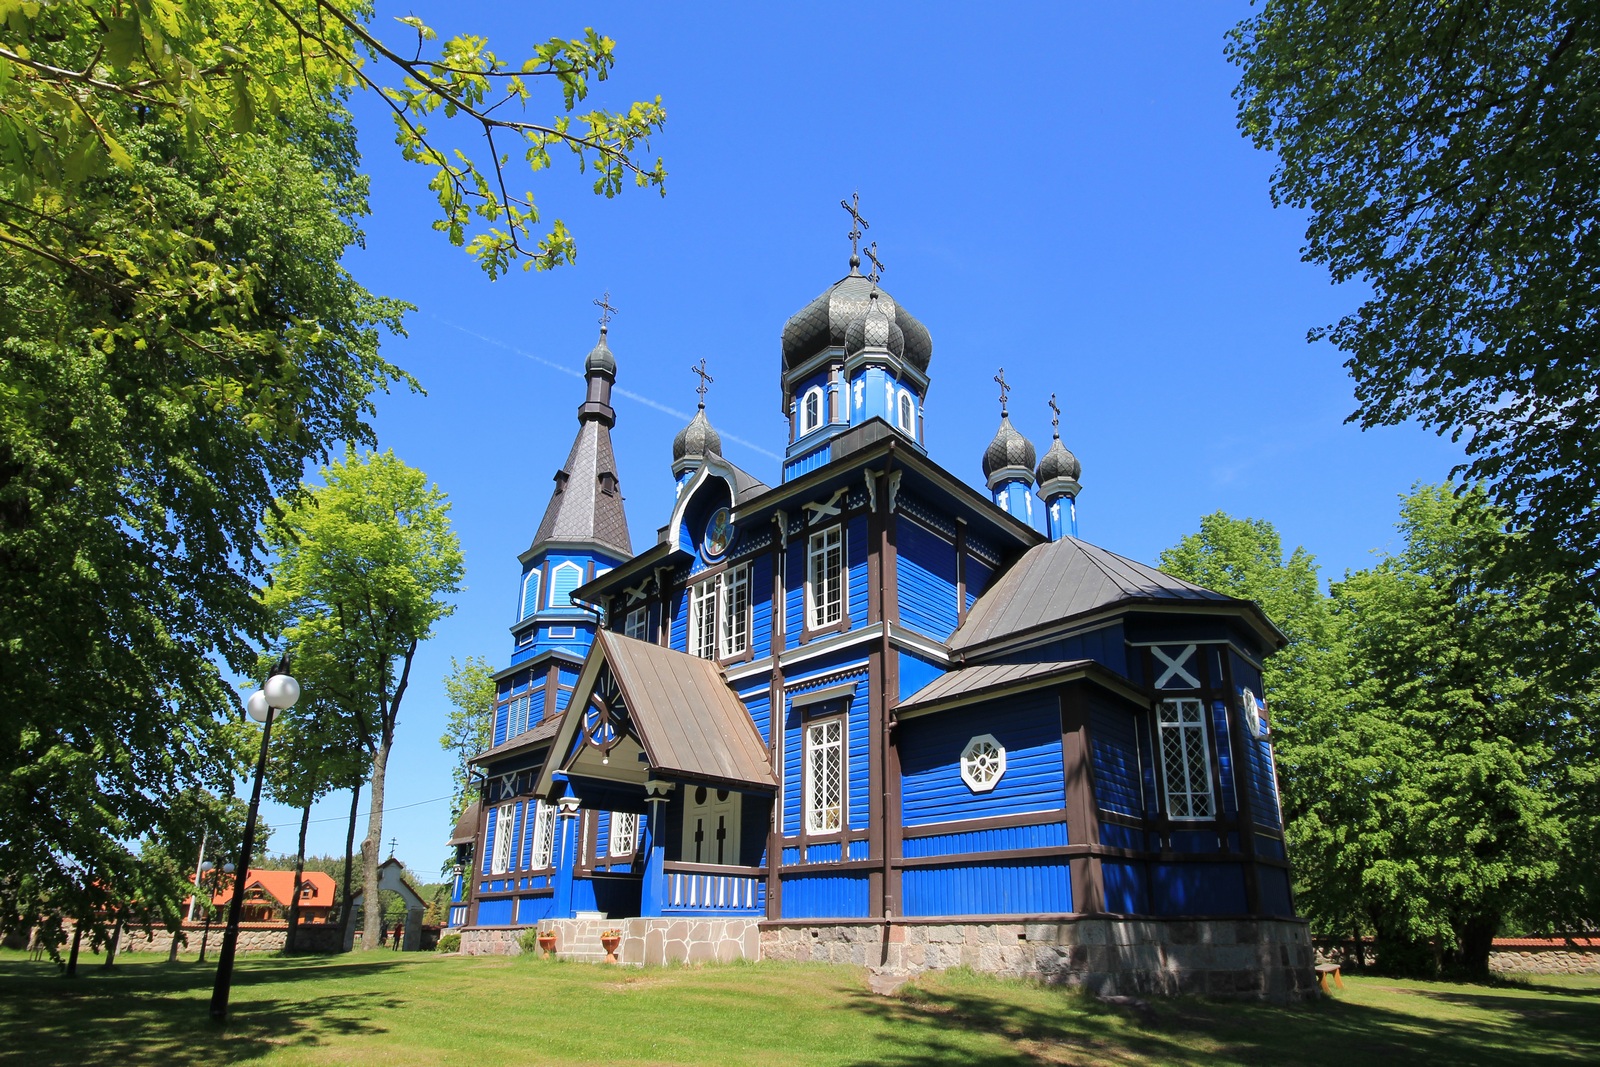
x,y
827,508
983,763
1175,667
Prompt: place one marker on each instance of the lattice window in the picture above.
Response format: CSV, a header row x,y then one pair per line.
x,y
544,835
624,837
983,763
825,782
1186,760
703,620
505,832
825,584
636,623
735,584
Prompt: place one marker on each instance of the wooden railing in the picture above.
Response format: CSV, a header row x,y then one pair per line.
x,y
709,887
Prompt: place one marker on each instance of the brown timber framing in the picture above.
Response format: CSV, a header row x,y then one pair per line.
x,y
1083,811
887,843
777,716
1245,802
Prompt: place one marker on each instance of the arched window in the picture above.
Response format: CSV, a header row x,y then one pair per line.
x,y
811,410
908,413
530,594
563,580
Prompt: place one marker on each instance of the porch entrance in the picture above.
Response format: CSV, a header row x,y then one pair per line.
x,y
711,826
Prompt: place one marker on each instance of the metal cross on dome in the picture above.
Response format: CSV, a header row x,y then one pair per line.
x,y
606,310
1055,417
853,205
1005,390
705,380
877,264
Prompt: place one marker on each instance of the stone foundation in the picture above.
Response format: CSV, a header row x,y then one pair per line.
x,y
253,937
644,941
1507,955
1269,959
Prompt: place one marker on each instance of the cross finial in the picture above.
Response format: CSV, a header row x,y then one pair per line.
x,y
606,310
1005,390
877,264
853,205
705,380
1055,417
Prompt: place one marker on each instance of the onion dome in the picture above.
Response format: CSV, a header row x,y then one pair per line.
x,y
824,322
1008,451
1059,462
600,358
874,329
697,440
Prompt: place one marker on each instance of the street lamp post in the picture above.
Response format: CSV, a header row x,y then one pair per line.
x,y
210,871
278,694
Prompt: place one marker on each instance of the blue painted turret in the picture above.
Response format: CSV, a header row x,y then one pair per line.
x,y
1008,464
1058,475
850,355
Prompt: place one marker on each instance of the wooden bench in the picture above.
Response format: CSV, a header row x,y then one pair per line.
x,y
1324,970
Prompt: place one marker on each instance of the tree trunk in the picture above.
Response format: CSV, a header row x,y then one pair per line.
x,y
116,938
299,872
1476,939
349,854
373,928
72,957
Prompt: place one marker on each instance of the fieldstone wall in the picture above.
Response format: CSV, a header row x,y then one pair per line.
x,y
1507,955
253,937
1267,959
650,942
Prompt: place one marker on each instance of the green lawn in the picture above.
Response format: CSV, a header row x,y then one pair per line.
x,y
393,1010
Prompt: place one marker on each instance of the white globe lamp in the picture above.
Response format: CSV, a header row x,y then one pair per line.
x,y
282,691
258,707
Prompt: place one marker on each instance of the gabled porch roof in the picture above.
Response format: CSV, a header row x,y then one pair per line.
x,y
686,722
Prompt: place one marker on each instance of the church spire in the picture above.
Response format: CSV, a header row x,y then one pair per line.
x,y
697,440
1058,475
586,505
1008,463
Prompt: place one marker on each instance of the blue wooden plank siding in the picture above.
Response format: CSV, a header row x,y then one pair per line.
x,y
1116,760
1152,798
531,909
915,672
794,590
979,574
808,462
987,889
925,568
488,840
960,842
1273,883
1122,836
679,636
1127,887
761,606
502,715
1271,846
1225,784
1029,728
496,912
856,552
1197,889
758,703
1262,780
563,695
1105,646
826,896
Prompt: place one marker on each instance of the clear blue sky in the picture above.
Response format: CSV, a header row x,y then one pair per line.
x,y
1058,189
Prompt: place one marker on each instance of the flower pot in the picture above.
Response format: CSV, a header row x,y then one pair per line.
x,y
547,944
609,942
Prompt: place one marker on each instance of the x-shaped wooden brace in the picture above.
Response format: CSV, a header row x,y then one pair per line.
x,y
1175,667
831,506
637,593
508,785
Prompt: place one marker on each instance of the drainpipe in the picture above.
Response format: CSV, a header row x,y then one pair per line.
x,y
883,695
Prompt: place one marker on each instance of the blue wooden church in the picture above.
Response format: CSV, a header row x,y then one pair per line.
x,y
873,714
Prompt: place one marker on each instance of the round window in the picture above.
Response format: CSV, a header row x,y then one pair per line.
x,y
983,763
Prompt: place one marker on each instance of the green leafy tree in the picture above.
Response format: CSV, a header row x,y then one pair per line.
x,y
1444,152
1440,787
365,565
469,730
178,183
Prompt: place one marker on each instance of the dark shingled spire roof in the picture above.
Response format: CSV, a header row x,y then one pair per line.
x,y
581,510
586,507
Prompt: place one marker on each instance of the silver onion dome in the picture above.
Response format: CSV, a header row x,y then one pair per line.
x,y
697,440
1009,449
600,357
825,321
1059,462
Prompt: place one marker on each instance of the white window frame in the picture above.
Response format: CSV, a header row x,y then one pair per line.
x,y
907,420
824,745
733,605
543,836
637,624
983,763
505,832
811,421
556,573
623,836
1185,742
825,607
530,585
702,606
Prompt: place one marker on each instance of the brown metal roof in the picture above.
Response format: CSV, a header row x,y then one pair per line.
x,y
1062,579
466,830
543,730
958,686
688,721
